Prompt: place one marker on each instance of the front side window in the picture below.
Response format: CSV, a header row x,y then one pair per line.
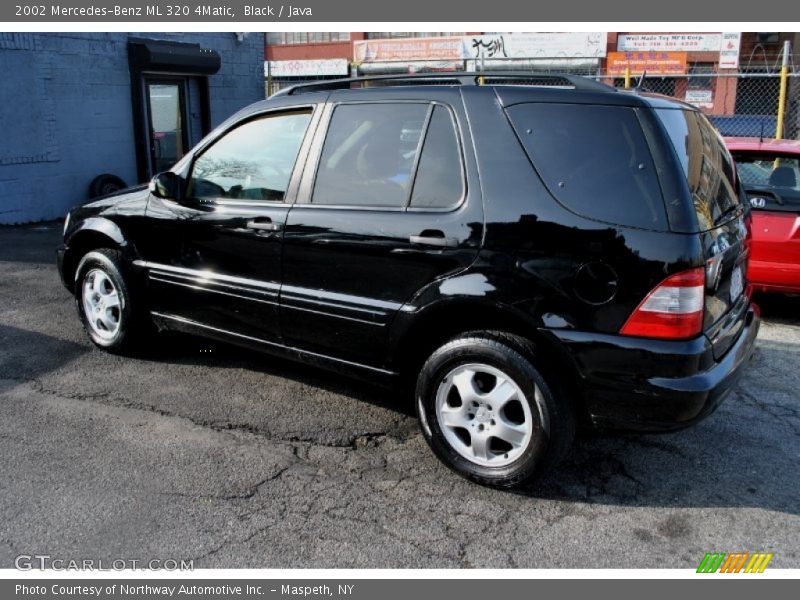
x,y
253,161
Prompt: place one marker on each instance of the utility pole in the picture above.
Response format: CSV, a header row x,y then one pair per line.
x,y
783,90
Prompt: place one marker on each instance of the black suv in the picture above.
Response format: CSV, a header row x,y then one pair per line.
x,y
532,257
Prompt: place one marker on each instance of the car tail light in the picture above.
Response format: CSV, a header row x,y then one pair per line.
x,y
672,310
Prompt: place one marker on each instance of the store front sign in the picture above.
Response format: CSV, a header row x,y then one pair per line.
x,y
655,63
410,49
487,46
536,45
670,42
303,68
700,98
729,51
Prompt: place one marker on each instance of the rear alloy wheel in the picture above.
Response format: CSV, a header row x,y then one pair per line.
x,y
484,415
489,414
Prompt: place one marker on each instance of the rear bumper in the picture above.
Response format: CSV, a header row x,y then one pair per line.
x,y
778,277
640,384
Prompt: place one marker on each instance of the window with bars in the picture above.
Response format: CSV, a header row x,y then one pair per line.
x,y
283,38
700,76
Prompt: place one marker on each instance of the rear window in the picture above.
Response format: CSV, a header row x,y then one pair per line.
x,y
595,161
706,164
769,178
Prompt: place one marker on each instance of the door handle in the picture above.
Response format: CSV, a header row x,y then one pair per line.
x,y
432,237
263,224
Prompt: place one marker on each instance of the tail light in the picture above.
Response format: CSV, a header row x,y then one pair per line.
x,y
673,310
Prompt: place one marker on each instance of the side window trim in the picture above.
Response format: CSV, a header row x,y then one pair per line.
x,y
461,161
420,145
313,157
309,174
290,196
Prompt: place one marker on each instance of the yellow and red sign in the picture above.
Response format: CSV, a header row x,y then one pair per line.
x,y
654,62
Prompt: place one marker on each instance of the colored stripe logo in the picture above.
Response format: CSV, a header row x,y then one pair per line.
x,y
736,562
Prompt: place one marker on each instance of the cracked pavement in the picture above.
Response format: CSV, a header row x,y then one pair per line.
x,y
202,451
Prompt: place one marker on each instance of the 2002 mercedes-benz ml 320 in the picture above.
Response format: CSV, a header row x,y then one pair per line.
x,y
532,257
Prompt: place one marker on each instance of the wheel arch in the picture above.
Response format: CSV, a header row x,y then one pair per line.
x,y
423,332
91,234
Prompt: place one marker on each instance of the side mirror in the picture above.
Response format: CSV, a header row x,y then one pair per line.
x,y
166,185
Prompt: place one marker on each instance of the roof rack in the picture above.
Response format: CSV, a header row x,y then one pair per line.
x,y
469,78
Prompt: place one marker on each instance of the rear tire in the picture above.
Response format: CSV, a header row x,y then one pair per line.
x,y
489,414
111,314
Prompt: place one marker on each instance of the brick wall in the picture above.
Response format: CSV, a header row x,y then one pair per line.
x,y
67,113
320,50
758,55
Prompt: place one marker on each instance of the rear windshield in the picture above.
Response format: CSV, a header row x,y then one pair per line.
x,y
706,164
771,179
595,161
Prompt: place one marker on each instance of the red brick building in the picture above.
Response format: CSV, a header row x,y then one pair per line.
x,y
696,67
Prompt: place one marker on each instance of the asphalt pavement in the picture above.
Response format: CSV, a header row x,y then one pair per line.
x,y
205,452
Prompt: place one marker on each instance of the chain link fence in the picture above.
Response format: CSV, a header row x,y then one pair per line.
x,y
739,104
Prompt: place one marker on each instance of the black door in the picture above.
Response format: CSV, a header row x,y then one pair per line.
x,y
222,269
167,121
388,212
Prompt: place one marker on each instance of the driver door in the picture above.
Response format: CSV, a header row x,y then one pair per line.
x,y
224,270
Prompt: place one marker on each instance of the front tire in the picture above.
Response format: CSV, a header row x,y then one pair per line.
x,y
106,304
488,412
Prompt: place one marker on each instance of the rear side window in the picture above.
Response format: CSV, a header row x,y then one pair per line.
x,y
394,155
369,154
595,161
706,164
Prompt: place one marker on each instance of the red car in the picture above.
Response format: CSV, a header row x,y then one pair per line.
x,y
769,171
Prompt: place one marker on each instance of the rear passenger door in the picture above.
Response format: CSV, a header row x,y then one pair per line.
x,y
386,206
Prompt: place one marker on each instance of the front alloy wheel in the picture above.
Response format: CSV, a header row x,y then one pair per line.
x,y
113,315
101,304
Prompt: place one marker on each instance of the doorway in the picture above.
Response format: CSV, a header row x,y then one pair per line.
x,y
170,100
168,135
